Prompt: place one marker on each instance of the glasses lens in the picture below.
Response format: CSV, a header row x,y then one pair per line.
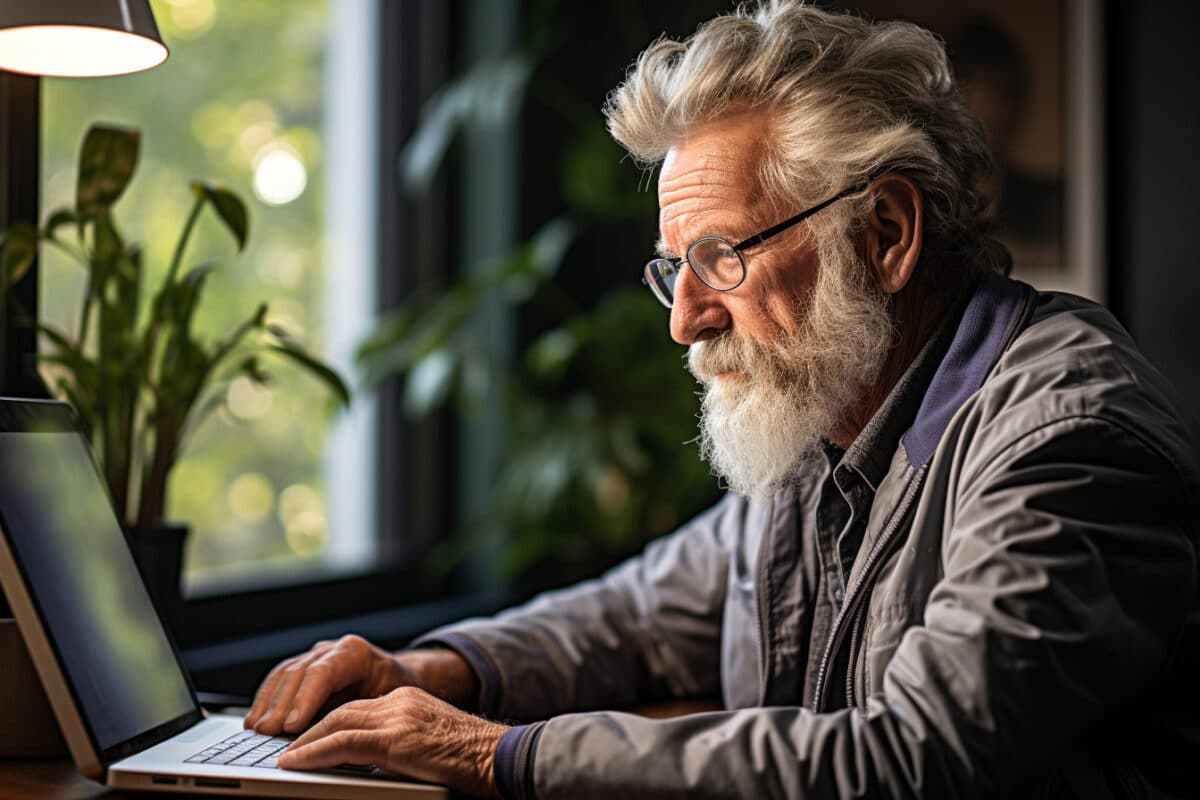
x,y
717,263
660,276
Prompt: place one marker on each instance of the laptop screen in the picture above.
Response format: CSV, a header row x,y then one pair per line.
x,y
61,527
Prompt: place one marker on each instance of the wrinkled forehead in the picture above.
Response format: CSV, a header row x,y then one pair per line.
x,y
718,166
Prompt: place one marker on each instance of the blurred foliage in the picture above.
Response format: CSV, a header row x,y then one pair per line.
x,y
599,408
136,387
242,81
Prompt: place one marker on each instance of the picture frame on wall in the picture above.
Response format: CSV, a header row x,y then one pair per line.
x,y
1033,73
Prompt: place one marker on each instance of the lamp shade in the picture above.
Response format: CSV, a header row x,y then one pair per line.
x,y
78,38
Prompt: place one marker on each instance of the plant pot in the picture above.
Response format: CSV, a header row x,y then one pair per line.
x,y
158,553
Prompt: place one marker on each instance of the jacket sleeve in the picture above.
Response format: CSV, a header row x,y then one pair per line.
x,y
1069,568
648,629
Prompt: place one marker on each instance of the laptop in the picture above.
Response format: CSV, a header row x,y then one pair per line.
x,y
125,704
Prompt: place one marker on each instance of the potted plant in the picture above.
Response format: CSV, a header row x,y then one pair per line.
x,y
596,406
137,376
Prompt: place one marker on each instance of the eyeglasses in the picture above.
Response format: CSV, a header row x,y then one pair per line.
x,y
717,261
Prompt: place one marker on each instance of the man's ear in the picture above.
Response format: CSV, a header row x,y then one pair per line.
x,y
892,239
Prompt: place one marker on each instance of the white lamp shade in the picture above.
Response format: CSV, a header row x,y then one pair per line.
x,y
78,38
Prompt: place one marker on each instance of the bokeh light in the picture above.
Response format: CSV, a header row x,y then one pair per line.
x,y
189,19
297,499
307,532
248,400
250,496
279,175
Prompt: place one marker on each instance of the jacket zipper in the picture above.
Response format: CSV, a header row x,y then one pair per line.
x,y
764,589
856,592
854,632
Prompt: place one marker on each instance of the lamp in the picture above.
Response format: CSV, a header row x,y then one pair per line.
x,y
79,38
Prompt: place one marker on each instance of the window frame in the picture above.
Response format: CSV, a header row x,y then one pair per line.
x,y
417,46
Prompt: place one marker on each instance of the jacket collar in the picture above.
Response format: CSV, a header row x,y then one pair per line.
x,y
985,329
949,368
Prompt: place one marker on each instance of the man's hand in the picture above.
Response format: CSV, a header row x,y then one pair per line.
x,y
408,732
348,669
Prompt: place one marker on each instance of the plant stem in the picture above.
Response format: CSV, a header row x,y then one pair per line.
x,y
152,502
183,239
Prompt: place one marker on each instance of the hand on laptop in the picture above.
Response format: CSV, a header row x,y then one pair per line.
x,y
409,732
349,669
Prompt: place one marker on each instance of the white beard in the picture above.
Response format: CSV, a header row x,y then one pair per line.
x,y
761,425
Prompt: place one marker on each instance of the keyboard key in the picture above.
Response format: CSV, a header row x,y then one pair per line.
x,y
244,748
248,760
223,758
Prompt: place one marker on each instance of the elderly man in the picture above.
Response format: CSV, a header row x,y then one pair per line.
x,y
958,557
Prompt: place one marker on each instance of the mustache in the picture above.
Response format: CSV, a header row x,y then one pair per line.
x,y
728,352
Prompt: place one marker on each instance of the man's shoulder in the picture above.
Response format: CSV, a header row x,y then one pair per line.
x,y
1074,361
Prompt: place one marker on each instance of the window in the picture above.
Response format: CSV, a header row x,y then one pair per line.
x,y
278,102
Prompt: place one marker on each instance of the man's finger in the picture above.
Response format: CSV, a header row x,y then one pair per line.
x,y
262,698
317,685
280,705
349,717
326,676
340,747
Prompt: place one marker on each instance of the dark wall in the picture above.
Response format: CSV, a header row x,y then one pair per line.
x,y
1156,121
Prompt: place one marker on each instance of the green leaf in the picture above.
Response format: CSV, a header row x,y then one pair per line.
x,y
533,263
487,95
196,275
80,389
69,355
105,252
254,371
282,334
229,207
185,295
63,216
550,244
20,250
317,367
551,353
190,366
429,382
106,164
393,327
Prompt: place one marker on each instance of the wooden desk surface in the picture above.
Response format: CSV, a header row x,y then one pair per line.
x,y
57,779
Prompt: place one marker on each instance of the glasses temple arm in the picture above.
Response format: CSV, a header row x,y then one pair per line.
x,y
803,215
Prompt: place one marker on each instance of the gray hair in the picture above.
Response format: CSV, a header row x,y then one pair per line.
x,y
849,99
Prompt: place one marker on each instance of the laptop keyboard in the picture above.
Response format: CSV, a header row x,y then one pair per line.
x,y
243,749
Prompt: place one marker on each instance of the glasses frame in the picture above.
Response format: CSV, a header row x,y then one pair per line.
x,y
652,283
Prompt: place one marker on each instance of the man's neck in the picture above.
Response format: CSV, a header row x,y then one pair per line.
x,y
917,314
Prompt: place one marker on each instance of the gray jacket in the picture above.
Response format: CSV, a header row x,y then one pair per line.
x,y
1006,604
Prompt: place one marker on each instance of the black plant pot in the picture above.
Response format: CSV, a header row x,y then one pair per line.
x,y
158,553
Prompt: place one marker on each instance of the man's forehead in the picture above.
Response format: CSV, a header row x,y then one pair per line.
x,y
722,154
709,183
716,147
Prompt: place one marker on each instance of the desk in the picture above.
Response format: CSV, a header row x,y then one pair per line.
x,y
57,779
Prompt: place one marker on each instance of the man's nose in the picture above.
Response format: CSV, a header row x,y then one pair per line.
x,y
698,311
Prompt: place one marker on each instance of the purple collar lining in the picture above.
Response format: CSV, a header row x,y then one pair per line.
x,y
982,334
